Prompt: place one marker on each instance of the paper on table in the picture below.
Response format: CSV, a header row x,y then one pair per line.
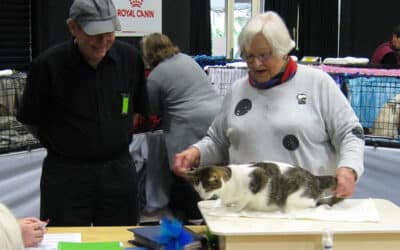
x,y
50,241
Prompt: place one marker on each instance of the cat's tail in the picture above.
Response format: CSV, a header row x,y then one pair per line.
x,y
328,185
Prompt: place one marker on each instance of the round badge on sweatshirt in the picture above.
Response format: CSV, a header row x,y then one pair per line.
x,y
243,107
290,142
358,132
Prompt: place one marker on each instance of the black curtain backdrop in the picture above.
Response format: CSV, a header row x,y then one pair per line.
x,y
49,24
187,23
317,24
200,27
318,28
366,24
287,9
14,34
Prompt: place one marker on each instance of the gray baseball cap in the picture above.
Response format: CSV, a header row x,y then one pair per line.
x,y
95,16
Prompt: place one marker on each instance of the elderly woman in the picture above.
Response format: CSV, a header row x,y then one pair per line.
x,y
182,94
282,112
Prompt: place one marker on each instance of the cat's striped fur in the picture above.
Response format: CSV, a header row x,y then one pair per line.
x,y
264,186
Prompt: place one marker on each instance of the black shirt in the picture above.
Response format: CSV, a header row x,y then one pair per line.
x,y
82,112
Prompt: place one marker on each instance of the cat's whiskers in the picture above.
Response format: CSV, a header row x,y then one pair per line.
x,y
327,197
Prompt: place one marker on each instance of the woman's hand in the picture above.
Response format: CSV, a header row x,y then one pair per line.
x,y
185,160
32,230
346,182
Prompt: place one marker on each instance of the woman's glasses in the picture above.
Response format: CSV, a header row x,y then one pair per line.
x,y
261,57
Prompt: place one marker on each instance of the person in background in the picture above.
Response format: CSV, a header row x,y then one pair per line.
x,y
10,232
29,229
182,95
79,101
388,52
282,111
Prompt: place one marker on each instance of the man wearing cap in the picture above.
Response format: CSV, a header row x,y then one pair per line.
x,y
79,102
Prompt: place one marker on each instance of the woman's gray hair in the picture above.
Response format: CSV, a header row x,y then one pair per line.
x,y
272,27
10,231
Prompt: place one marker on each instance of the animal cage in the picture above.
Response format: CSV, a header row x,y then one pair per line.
x,y
13,135
376,101
222,77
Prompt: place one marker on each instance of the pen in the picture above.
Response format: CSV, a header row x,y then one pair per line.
x,y
44,225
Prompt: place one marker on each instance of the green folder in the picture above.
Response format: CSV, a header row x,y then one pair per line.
x,y
114,245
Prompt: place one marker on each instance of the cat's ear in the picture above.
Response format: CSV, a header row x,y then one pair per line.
x,y
225,172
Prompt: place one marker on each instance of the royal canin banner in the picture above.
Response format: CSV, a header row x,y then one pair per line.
x,y
138,17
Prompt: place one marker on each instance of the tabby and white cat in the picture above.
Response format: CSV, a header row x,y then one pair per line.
x,y
263,186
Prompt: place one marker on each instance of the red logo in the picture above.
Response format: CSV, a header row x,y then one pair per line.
x,y
136,3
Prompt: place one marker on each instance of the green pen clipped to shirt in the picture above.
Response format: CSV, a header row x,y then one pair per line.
x,y
125,104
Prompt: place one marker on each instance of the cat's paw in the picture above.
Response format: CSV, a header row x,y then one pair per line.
x,y
299,205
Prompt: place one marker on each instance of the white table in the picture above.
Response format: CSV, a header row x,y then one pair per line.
x,y
284,234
